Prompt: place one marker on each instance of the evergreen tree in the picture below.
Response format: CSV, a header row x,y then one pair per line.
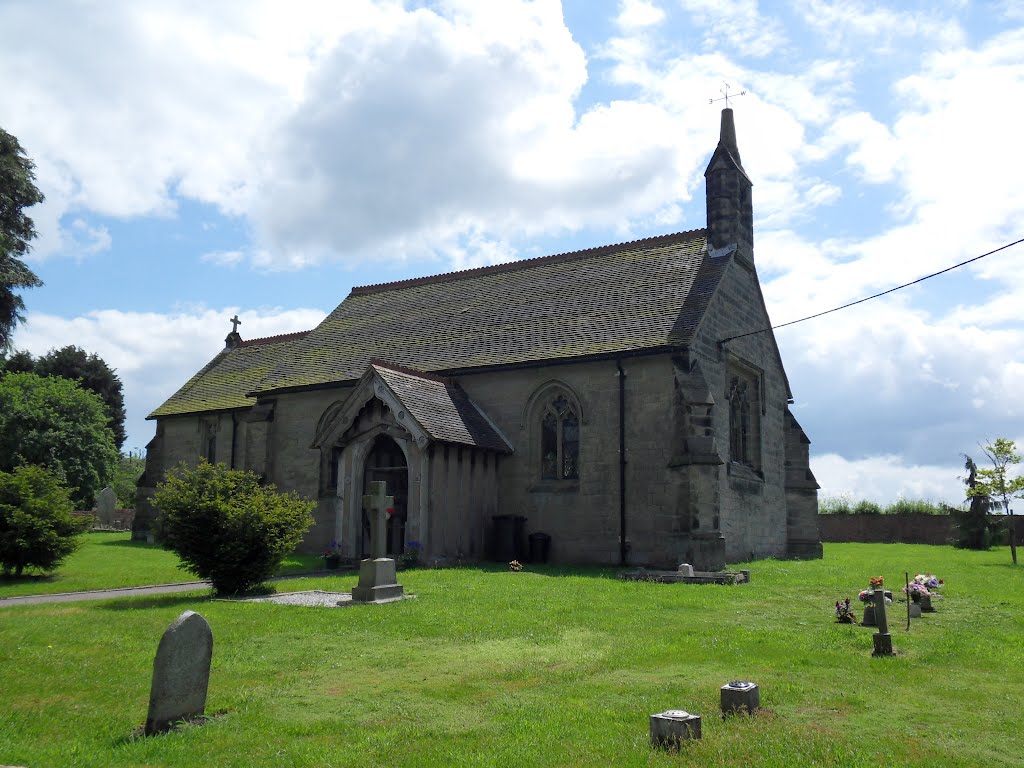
x,y
17,192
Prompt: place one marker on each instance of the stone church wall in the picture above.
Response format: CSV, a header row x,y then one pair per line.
x,y
753,504
582,517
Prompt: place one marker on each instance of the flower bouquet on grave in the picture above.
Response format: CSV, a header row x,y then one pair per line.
x,y
916,591
931,582
843,613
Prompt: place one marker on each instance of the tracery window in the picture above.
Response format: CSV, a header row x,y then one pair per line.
x,y
745,395
740,437
559,441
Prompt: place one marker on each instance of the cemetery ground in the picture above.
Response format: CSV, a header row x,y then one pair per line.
x,y
109,560
545,667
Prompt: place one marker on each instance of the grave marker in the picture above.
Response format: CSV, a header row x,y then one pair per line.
x,y
106,501
181,673
377,580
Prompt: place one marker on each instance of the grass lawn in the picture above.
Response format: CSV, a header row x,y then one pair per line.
x,y
114,560
548,667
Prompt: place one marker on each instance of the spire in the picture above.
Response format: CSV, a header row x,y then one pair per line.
x,y
729,208
727,135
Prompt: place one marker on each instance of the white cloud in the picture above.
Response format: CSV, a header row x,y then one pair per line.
x,y
736,25
884,479
154,354
223,258
875,29
639,14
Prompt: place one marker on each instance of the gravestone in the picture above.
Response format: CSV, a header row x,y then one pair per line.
x,y
685,569
882,638
377,580
740,697
670,728
181,673
106,501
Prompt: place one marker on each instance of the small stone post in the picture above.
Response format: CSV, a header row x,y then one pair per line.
x,y
670,728
882,638
740,697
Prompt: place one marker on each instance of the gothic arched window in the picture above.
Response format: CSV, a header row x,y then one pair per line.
x,y
739,422
559,440
744,392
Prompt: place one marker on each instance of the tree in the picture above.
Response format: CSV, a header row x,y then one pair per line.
x,y
126,475
93,374
976,527
17,192
37,529
227,527
996,483
54,423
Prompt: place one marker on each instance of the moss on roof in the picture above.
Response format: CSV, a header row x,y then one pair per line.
x,y
619,298
223,383
605,300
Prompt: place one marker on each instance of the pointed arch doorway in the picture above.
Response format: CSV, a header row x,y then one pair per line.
x,y
386,461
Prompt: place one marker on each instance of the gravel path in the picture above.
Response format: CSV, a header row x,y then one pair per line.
x,y
152,589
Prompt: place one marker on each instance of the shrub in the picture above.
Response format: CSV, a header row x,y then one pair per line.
x,y
918,506
834,505
37,529
865,507
227,527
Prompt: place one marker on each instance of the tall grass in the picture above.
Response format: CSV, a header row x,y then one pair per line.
x,y
548,667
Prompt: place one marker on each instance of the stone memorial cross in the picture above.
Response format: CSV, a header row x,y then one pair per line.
x,y
377,503
181,673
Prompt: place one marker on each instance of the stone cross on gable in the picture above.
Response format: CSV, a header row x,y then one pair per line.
x,y
377,503
235,322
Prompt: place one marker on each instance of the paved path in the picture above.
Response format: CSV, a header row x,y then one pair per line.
x,y
152,589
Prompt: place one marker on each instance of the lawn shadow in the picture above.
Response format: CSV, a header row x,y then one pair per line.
x,y
156,601
29,578
135,544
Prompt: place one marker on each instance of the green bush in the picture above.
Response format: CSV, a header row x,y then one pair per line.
x,y
917,506
835,505
865,507
228,528
37,529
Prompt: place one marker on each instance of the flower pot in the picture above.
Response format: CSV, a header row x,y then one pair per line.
x,y
332,562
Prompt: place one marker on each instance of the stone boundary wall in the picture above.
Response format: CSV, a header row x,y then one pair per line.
x,y
121,519
906,528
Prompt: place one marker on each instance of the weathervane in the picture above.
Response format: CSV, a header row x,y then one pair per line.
x,y
725,95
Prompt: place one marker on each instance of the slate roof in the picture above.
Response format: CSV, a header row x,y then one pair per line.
x,y
223,383
441,408
613,299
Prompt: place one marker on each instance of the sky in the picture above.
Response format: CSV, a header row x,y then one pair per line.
x,y
262,157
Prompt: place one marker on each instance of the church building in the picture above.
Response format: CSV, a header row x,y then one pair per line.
x,y
627,400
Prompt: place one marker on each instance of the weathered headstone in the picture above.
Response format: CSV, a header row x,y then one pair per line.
x,y
740,697
377,579
670,728
106,501
882,638
685,569
181,673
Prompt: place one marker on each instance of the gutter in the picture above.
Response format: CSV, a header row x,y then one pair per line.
x,y
623,545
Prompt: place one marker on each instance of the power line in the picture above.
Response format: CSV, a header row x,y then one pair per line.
x,y
875,296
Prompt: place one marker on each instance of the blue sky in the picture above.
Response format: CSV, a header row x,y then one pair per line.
x,y
203,159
